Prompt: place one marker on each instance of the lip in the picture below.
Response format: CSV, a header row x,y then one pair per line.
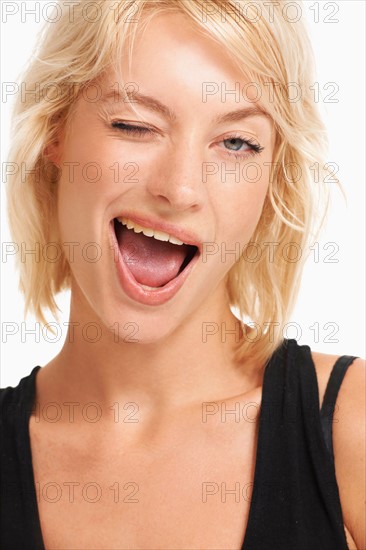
x,y
142,295
187,236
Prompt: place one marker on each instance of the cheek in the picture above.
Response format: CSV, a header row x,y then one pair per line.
x,y
89,182
242,202
97,168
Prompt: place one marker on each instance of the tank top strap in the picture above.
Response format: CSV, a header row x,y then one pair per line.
x,y
295,492
330,396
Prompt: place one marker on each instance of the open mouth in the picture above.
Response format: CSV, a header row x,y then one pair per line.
x,y
152,262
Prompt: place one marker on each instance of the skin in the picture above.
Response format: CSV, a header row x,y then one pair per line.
x,y
169,188
170,372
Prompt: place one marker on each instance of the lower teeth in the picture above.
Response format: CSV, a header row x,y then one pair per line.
x,y
149,287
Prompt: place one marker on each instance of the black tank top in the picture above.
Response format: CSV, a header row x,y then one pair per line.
x,y
295,501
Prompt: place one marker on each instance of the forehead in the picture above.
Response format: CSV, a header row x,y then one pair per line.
x,y
173,60
172,40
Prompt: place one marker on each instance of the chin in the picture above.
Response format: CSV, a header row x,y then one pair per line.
x,y
142,331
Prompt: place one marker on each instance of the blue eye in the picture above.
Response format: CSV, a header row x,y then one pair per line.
x,y
231,141
238,142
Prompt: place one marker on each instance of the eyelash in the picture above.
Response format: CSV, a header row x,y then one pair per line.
x,y
139,131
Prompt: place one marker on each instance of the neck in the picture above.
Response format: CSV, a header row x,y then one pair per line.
x,y
193,364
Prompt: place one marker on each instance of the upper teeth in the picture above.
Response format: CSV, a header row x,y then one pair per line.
x,y
159,235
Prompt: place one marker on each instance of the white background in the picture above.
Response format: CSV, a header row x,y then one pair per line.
x,y
331,292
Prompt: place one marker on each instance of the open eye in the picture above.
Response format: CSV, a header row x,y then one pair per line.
x,y
234,146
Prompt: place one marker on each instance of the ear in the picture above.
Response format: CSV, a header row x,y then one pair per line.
x,y
52,152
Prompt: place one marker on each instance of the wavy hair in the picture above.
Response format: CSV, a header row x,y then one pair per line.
x,y
272,49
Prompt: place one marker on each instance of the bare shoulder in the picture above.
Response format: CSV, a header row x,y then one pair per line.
x,y
349,441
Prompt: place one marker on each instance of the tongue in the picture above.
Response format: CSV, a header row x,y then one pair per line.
x,y
153,263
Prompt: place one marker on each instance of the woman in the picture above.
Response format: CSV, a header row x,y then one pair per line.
x,y
165,422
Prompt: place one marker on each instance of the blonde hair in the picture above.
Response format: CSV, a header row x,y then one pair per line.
x,y
272,50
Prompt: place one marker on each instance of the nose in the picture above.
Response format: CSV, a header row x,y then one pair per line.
x,y
177,182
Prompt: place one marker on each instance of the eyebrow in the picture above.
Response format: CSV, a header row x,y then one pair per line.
x,y
155,105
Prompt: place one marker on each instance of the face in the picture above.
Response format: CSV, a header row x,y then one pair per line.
x,y
188,171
